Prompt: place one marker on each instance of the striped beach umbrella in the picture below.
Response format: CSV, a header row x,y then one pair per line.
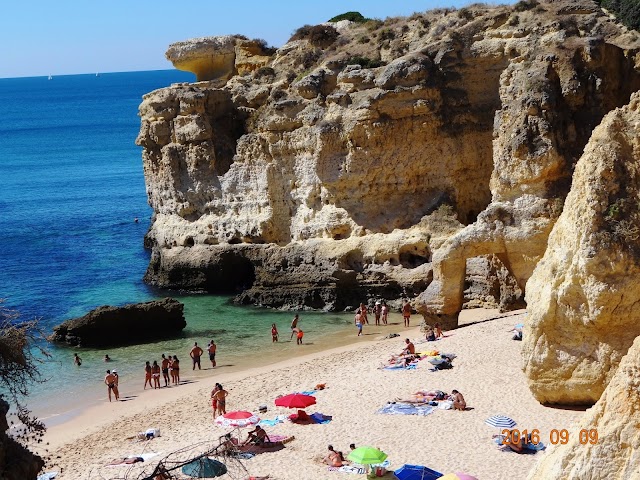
x,y
500,421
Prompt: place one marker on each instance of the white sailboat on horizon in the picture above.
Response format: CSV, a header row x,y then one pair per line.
x,y
50,77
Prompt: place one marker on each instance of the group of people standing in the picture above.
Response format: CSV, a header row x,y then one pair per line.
x,y
380,311
169,367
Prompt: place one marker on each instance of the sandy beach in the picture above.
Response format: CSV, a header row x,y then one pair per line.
x,y
486,370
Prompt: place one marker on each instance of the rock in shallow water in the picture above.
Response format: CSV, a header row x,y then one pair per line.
x,y
109,326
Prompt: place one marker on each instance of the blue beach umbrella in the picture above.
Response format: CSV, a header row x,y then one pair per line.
x,y
416,472
204,467
500,421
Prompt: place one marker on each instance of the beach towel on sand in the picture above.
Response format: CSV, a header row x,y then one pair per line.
x,y
347,469
405,409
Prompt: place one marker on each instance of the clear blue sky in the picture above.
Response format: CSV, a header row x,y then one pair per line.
x,y
42,37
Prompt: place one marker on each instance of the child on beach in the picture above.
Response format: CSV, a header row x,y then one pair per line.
x,y
274,333
438,330
299,336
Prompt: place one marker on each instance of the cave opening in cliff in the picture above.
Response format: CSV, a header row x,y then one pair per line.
x,y
233,273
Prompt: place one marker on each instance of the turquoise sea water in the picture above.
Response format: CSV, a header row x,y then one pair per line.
x,y
71,184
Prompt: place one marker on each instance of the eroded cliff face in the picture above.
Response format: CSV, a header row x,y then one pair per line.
x,y
614,454
369,159
583,296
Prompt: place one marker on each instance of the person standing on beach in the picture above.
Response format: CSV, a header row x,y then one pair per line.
x,y
212,352
214,400
385,312
111,382
358,321
147,375
77,360
274,333
155,374
377,311
175,367
294,326
363,313
406,313
299,336
221,397
165,370
195,354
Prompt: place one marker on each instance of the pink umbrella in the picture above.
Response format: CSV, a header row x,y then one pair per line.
x,y
237,419
296,400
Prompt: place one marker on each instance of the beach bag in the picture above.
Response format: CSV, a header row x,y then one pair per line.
x,y
380,471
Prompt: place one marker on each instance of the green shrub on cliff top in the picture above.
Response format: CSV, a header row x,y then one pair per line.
x,y
351,16
318,35
627,11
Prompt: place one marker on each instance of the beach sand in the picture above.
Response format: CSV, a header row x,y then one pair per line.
x,y
487,371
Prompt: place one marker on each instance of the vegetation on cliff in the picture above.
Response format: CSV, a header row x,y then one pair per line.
x,y
628,11
17,371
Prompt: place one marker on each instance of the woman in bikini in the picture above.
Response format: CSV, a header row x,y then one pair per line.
x,y
147,375
175,367
221,397
110,382
155,374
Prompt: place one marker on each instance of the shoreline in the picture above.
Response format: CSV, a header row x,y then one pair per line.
x,y
89,404
487,371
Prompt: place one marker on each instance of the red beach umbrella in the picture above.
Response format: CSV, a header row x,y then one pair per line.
x,y
296,400
237,419
237,415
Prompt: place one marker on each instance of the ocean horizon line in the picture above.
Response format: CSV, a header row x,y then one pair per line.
x,y
54,75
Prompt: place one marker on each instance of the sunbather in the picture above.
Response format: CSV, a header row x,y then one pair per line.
x,y
458,400
257,436
333,458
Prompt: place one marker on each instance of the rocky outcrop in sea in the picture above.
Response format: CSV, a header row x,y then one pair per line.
x,y
109,326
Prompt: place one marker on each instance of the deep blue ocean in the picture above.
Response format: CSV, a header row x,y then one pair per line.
x,y
71,185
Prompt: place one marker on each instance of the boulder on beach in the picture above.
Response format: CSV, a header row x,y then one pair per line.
x,y
109,326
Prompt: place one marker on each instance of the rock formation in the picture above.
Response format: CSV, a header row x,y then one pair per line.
x,y
108,326
316,180
218,58
583,296
615,418
16,462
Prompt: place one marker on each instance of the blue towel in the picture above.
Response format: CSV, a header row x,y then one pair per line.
x,y
405,409
320,418
309,392
269,423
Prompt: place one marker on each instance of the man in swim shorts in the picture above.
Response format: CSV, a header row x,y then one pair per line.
x,y
110,382
406,313
195,354
358,321
165,370
294,326
212,353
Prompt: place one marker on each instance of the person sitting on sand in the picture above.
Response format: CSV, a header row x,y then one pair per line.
x,y
458,400
257,436
333,458
409,349
430,336
520,445
438,330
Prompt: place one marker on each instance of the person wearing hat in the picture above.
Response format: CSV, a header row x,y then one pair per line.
x,y
377,310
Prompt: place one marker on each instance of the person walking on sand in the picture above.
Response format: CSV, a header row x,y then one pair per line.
x,y
214,400
363,312
358,321
212,352
274,333
175,367
195,354
221,397
165,370
294,326
77,360
111,382
155,374
406,313
299,336
147,375
385,312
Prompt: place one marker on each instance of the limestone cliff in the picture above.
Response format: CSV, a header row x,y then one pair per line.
x,y
583,296
364,160
615,453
